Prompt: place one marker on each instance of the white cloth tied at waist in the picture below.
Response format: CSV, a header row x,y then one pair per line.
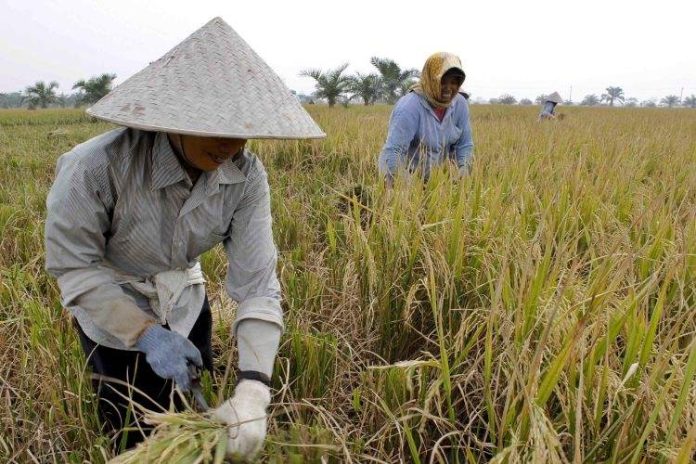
x,y
164,288
172,296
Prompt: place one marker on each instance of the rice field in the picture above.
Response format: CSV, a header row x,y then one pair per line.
x,y
542,310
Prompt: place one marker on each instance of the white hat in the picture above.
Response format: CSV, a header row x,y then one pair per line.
x,y
211,84
554,98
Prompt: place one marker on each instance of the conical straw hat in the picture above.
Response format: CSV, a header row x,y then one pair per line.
x,y
211,84
555,98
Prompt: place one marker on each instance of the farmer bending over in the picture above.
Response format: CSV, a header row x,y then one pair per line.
x,y
548,110
131,211
430,124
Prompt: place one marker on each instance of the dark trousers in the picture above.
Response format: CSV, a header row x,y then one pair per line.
x,y
131,368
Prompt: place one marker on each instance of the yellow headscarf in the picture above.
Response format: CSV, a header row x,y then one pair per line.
x,y
435,67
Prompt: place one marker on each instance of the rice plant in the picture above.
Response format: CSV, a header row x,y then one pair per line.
x,y
542,310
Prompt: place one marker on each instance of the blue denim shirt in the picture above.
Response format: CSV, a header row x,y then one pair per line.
x,y
417,138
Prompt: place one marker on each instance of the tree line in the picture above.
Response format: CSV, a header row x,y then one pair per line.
x,y
43,95
611,97
387,85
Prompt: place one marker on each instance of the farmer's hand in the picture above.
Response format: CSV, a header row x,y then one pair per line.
x,y
169,354
245,414
464,171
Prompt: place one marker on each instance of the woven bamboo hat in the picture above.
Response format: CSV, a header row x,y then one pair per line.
x,y
554,98
211,84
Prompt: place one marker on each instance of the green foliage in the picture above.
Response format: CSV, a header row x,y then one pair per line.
x,y
367,86
590,100
613,94
507,99
41,94
670,101
11,100
331,84
93,89
395,81
690,101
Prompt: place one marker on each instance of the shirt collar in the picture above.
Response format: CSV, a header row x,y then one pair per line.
x,y
228,173
166,169
450,109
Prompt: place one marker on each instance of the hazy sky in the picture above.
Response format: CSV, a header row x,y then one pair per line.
x,y
523,48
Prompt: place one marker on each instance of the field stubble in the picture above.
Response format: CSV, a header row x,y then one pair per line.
x,y
542,310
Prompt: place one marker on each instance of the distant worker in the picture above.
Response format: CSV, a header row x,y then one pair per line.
x,y
547,111
430,124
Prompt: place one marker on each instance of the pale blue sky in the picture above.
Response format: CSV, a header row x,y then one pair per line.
x,y
524,48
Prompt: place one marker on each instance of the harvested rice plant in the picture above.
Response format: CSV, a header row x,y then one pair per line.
x,y
542,310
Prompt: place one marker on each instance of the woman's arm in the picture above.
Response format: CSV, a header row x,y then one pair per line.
x,y
251,277
77,222
464,147
252,282
403,126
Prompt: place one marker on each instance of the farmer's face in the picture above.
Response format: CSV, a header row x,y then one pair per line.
x,y
206,153
449,85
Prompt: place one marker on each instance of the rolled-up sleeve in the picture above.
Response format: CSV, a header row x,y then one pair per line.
x,y
464,148
403,126
251,278
77,223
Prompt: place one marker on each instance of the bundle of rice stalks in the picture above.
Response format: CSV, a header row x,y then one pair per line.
x,y
181,438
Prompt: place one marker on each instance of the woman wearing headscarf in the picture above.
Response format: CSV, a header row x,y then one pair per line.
x,y
430,124
131,210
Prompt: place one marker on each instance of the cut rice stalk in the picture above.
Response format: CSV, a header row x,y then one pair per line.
x,y
181,438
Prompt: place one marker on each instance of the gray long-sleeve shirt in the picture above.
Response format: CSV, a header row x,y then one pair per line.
x,y
418,138
122,203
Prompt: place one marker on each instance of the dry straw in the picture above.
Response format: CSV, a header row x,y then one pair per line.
x,y
180,438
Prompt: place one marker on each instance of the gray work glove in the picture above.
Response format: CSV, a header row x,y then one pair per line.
x,y
169,354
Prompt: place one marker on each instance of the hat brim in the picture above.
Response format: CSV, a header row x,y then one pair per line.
x,y
203,133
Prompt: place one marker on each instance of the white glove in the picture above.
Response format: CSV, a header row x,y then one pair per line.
x,y
245,414
464,171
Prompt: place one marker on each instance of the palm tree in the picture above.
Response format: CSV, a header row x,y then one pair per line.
x,y
93,89
613,93
41,94
331,84
670,101
366,86
395,81
690,101
405,87
590,100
